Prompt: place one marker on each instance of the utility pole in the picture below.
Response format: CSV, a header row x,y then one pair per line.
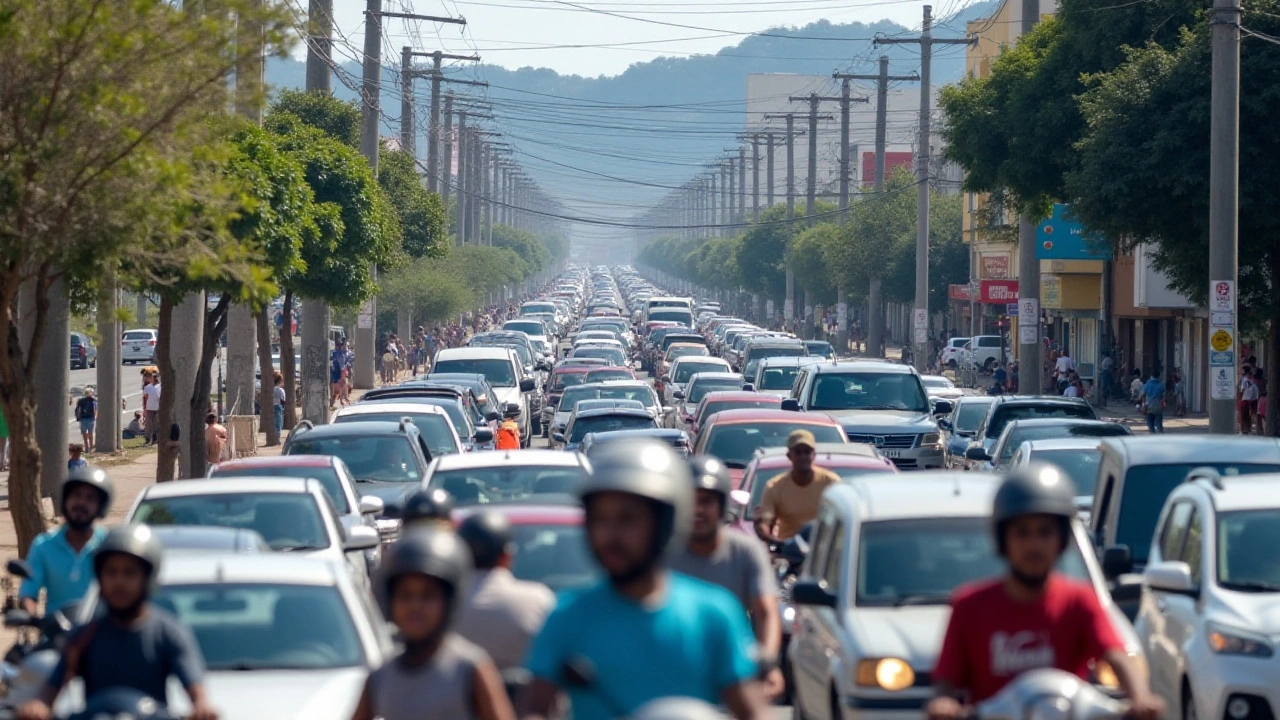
x,y
406,100
742,183
920,315
436,74
788,305
1030,350
769,165
315,314
446,171
814,99
882,79
463,213
1224,181
755,180
320,46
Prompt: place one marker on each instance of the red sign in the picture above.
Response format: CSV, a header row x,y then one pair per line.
x,y
958,292
998,292
892,160
995,267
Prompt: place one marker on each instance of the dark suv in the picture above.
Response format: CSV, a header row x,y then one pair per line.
x,y
386,459
83,353
1007,408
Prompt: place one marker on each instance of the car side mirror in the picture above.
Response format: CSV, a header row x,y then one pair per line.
x,y
1171,576
791,404
558,437
492,416
748,387
371,505
361,537
527,385
945,424
977,453
942,407
810,592
1116,561
483,435
678,394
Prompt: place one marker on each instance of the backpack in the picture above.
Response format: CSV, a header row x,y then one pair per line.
x,y
84,409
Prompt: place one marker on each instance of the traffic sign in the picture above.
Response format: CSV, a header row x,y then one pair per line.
x,y
1222,296
1221,340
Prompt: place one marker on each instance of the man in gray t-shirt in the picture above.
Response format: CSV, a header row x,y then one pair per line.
x,y
734,561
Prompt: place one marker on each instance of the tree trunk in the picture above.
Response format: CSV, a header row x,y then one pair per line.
x,y
168,452
266,389
875,320
1273,372
288,368
215,324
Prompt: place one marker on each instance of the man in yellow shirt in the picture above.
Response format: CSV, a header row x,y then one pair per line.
x,y
791,499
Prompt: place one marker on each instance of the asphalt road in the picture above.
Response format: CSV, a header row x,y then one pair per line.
x,y
130,385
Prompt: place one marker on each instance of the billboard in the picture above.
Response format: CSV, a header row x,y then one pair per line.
x,y
998,292
892,161
1061,237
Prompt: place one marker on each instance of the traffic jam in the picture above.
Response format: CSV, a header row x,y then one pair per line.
x,y
625,503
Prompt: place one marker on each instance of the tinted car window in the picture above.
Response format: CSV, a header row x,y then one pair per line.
x,y
327,476
777,378
435,429
696,391
736,443
1081,465
560,381
474,486
606,423
287,521
1019,435
688,368
1240,537
970,415
868,391
1006,414
381,458
554,555
498,372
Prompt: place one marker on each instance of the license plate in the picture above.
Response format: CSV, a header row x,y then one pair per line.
x,y
891,454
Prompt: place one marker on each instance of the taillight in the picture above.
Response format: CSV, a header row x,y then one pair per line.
x,y
151,342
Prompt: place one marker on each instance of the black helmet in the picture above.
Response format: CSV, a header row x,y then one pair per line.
x,y
488,534
437,554
135,541
711,474
651,470
94,477
435,504
1037,489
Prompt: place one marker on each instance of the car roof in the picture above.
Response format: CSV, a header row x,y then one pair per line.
x,y
1191,449
491,458
790,360
1245,492
1038,400
474,353
619,411
975,399
722,395
713,375
1063,421
270,461
264,568
526,513
363,427
208,539
1072,443
661,433
384,407
743,415
862,366
891,496
226,486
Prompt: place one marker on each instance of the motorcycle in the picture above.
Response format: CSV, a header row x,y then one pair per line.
x,y
35,653
788,558
113,704
1049,694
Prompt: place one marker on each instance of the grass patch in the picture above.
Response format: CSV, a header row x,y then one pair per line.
x,y
131,450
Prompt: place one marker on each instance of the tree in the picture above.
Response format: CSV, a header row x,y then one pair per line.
x,y
104,106
428,290
761,256
336,118
808,261
421,213
948,252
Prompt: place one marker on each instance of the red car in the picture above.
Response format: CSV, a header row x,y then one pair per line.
x,y
721,400
735,435
613,372
844,459
550,545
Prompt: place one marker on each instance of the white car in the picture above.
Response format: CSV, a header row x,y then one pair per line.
x,y
138,346
776,375
873,596
501,366
1078,457
283,637
683,368
951,352
293,515
432,421
495,476
1207,617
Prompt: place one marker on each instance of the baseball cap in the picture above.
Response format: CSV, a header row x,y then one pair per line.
x,y
801,437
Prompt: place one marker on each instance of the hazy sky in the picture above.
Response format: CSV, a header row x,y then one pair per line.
x,y
516,33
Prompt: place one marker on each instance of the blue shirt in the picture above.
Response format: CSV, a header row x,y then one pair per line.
x,y
1153,389
697,643
64,574
73,463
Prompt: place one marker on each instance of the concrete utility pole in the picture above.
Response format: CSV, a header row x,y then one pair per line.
x,y
1030,350
755,180
769,144
731,197
406,101
920,323
320,46
108,428
53,384
315,314
463,212
811,188
446,170
742,183
788,305
1224,182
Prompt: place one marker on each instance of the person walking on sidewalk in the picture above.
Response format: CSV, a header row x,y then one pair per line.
x,y
87,416
1153,403
151,406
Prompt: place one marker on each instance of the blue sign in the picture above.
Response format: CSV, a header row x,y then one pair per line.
x,y
1061,237
1011,310
1222,358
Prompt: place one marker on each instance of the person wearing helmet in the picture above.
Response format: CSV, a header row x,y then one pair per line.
x,y
439,675
1032,617
734,561
137,645
791,498
508,435
500,614
650,632
432,508
61,559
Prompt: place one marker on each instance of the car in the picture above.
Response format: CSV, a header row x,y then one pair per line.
x,y
535,328
1007,408
735,435
951,352
388,460
548,543
561,377
636,390
605,374
681,370
282,636
1077,457
820,349
677,439
293,515
353,509
877,402
686,400
959,427
718,401
848,460
84,354
486,398
776,375
502,367
772,346
138,346
1135,477
602,420
474,434
940,386
1019,431
873,595
611,355
432,421
983,352
502,476
1207,619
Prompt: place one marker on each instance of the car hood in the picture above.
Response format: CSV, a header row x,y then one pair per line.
x,y
387,492
282,694
911,633
1259,612
883,421
784,394
508,395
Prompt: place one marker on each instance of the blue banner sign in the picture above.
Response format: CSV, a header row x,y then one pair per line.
x,y
1061,237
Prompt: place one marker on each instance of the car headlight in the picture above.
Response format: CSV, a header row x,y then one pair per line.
x,y
931,439
1232,641
891,674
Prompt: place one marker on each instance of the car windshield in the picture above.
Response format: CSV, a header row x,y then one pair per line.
x,y
1146,487
642,393
688,368
768,351
573,395
370,458
266,626
498,372
684,317
137,336
1006,414
606,423
937,382
679,352
868,391
554,555
287,521
603,375
528,327
778,377
614,356
922,561
698,390
560,381
1080,464
1241,535
601,403
505,483
452,407
736,443
1020,434
327,476
970,416
822,349
435,429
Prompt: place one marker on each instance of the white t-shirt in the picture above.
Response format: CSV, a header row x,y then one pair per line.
x,y
151,397
1071,391
1065,364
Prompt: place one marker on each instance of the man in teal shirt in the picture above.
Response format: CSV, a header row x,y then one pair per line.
x,y
645,632
61,559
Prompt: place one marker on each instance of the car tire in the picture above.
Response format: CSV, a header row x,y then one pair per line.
x,y
987,365
93,364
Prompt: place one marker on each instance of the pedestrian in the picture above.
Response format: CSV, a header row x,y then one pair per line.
x,y
1248,400
215,439
1153,403
1135,387
87,416
134,429
337,363
1105,379
277,402
1260,409
1179,394
151,406
75,451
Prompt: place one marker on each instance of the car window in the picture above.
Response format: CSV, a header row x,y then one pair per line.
x,y
698,390
641,393
777,378
462,420
435,429
287,521
868,391
736,443
498,372
554,555
687,369
560,381
378,458
326,476
1174,533
1079,464
835,557
989,342
1020,434
607,423
969,416
710,408
482,485
1005,414
1243,564
603,375
1192,549
137,335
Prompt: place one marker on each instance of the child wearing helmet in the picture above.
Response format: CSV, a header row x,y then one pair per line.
x,y
439,676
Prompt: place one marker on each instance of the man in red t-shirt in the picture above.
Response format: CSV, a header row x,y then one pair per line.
x,y
1032,617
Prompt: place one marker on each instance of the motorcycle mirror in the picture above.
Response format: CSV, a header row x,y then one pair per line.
x,y
17,618
19,568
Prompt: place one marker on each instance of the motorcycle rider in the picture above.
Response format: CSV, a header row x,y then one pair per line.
x,y
1032,617
427,508
508,435
651,632
137,645
61,559
439,675
732,560
500,613
791,498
